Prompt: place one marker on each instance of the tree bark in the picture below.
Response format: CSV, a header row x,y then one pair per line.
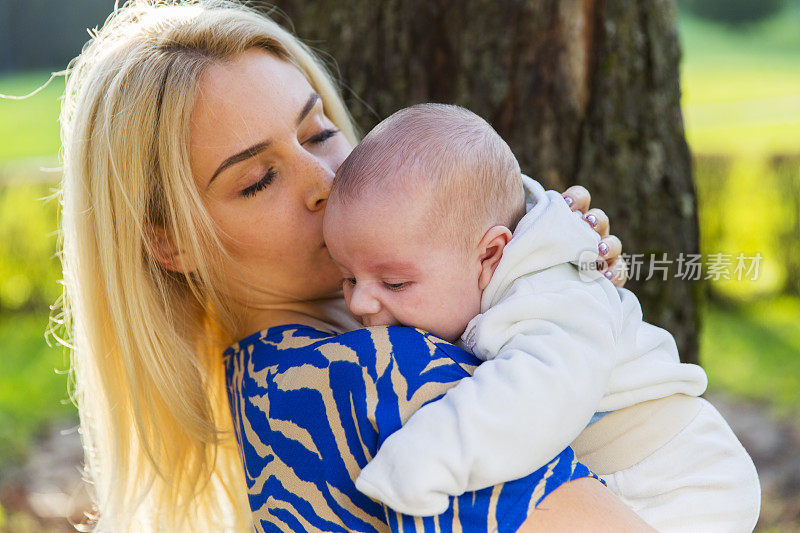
x,y
584,91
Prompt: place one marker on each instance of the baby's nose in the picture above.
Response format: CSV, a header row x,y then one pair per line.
x,y
362,303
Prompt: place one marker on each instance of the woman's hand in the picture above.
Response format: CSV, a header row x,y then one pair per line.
x,y
610,247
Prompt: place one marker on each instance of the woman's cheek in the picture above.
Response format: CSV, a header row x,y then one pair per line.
x,y
339,152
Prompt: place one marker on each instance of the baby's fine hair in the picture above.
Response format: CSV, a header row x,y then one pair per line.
x,y
445,150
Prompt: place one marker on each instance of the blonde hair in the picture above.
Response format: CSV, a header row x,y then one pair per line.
x,y
444,151
146,343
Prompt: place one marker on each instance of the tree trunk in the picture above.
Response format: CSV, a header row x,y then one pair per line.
x,y
583,91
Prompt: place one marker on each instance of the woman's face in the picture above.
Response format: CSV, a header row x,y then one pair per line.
x,y
263,155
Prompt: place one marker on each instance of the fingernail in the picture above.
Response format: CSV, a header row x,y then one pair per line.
x,y
602,248
608,275
591,219
569,201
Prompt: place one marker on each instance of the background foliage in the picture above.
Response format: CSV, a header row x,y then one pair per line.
x,y
741,104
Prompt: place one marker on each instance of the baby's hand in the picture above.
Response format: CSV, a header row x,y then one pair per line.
x,y
610,247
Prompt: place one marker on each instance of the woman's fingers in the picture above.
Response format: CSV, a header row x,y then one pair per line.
x,y
578,198
609,248
598,220
610,263
617,272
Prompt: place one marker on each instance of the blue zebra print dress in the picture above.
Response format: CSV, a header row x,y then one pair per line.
x,y
311,408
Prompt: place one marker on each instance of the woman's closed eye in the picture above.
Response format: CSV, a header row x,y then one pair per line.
x,y
349,281
322,136
260,184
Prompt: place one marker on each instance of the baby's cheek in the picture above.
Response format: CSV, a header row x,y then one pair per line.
x,y
450,313
412,307
465,308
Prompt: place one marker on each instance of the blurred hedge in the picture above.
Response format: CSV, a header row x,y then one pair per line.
x,y
29,268
751,205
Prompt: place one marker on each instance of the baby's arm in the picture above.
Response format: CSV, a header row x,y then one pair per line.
x,y
554,340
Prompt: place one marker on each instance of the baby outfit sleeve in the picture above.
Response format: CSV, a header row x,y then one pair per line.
x,y
498,508
648,365
549,343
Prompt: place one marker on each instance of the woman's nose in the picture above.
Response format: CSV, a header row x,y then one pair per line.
x,y
362,303
321,179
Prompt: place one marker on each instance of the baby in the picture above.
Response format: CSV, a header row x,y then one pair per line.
x,y
427,221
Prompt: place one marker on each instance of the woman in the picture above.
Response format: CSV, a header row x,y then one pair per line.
x,y
200,141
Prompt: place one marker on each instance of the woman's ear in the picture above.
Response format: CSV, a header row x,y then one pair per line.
x,y
491,251
162,247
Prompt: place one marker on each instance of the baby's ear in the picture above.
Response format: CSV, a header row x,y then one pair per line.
x,y
491,251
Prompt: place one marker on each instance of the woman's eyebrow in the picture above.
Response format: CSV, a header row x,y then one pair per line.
x,y
310,103
247,153
257,148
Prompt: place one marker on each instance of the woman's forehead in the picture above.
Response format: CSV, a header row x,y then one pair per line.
x,y
250,99
255,85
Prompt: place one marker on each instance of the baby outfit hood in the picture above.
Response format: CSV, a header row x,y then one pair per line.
x,y
549,234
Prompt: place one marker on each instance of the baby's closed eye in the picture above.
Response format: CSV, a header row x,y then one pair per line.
x,y
397,286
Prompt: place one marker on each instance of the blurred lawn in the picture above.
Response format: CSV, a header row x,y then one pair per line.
x,y
753,351
32,392
29,128
741,86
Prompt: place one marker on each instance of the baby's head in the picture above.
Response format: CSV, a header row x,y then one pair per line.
x,y
419,215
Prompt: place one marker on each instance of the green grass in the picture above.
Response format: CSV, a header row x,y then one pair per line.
x,y
741,86
753,351
32,391
29,127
